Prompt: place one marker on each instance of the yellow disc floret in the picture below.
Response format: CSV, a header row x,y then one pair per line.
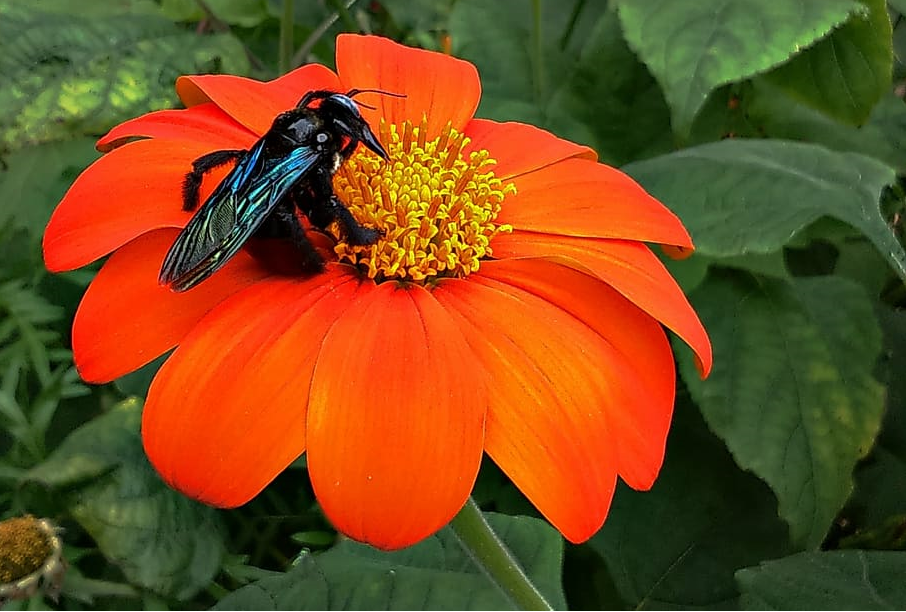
x,y
434,205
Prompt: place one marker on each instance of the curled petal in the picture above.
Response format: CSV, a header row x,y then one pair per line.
x,y
203,123
638,342
126,319
520,148
226,412
437,87
133,189
395,424
562,417
577,197
252,103
630,268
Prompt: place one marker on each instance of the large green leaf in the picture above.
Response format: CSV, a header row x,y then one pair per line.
x,y
160,539
434,574
521,57
773,113
792,392
577,77
877,511
692,47
836,580
845,74
678,545
64,74
608,99
742,196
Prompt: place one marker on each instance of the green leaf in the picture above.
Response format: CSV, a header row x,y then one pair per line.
x,y
741,196
619,110
419,18
678,545
552,76
693,47
835,580
883,137
880,496
161,540
434,574
35,180
95,8
75,74
792,392
522,59
245,13
845,74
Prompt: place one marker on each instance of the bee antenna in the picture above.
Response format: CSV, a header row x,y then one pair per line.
x,y
352,93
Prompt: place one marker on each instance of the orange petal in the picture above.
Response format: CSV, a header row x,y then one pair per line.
x,y
396,417
437,86
226,412
568,404
252,103
133,189
520,148
126,319
638,340
203,123
630,268
577,197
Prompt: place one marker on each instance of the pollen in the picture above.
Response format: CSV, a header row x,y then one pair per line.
x,y
434,205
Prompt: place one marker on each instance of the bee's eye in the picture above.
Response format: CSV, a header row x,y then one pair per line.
x,y
322,137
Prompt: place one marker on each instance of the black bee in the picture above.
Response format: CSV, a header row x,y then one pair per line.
x,y
290,167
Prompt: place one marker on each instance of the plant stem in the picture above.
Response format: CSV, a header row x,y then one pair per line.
x,y
537,52
286,37
492,556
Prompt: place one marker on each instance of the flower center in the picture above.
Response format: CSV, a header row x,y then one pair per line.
x,y
30,557
434,206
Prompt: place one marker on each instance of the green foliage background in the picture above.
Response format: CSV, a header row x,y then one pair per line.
x,y
776,129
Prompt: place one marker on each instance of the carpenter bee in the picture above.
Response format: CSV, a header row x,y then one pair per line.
x,y
290,167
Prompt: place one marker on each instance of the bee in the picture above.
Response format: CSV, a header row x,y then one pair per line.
x,y
290,168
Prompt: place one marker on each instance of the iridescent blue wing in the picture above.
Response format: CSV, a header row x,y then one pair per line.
x,y
232,213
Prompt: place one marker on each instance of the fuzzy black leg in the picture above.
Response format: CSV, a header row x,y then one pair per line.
x,y
204,164
283,223
322,207
354,232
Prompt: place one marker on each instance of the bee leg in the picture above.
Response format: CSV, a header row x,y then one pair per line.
x,y
322,207
201,166
354,232
283,223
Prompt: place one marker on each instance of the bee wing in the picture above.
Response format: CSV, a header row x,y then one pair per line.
x,y
232,213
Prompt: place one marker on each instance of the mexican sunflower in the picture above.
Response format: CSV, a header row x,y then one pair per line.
x,y
511,306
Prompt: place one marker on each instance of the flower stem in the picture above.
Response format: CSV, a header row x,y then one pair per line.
x,y
492,555
286,37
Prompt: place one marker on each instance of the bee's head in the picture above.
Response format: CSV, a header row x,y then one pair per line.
x,y
341,111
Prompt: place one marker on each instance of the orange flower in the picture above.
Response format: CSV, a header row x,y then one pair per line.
x,y
511,307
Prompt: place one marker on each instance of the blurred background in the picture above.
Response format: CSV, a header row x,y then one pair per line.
x,y
775,129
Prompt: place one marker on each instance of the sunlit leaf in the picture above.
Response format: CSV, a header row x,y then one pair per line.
x,y
845,74
693,47
63,75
